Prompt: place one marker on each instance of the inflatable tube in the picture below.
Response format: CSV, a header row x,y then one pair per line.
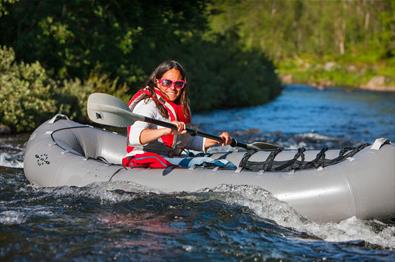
x,y
65,153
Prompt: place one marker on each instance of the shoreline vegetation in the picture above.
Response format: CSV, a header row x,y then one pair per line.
x,y
333,73
53,54
343,43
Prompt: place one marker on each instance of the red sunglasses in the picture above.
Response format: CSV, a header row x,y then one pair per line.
x,y
179,84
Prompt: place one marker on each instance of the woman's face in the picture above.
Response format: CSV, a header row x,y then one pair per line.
x,y
171,92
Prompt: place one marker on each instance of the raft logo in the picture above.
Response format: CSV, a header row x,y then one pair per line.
x,y
42,159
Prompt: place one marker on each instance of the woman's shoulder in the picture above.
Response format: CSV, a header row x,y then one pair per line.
x,y
146,102
146,107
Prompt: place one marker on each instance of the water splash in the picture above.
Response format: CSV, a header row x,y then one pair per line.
x,y
11,217
11,160
11,156
109,192
267,206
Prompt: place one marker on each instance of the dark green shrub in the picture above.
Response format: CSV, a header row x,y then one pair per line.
x,y
25,93
72,96
29,96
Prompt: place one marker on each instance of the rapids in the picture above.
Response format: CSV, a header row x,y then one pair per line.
x,y
104,222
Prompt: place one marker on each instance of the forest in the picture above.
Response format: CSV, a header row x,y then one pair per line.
x,y
343,43
53,54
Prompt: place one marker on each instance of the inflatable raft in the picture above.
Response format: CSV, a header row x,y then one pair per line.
x,y
65,153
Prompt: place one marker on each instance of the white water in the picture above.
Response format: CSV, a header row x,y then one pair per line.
x,y
10,160
22,215
261,202
266,206
257,199
11,217
348,119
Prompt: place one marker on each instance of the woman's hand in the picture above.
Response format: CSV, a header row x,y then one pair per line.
x,y
148,135
226,140
180,129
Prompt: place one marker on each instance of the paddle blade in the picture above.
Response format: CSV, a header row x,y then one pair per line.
x,y
264,146
105,109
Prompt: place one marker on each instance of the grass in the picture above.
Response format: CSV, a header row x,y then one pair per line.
x,y
349,72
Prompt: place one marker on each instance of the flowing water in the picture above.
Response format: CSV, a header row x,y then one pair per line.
x,y
102,222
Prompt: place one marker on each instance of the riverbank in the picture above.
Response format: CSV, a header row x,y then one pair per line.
x,y
350,73
373,85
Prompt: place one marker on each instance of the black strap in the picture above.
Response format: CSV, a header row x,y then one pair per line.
x,y
319,161
292,164
168,169
297,164
298,161
345,153
255,165
270,159
244,160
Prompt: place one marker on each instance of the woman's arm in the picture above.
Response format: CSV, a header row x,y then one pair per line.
x,y
226,138
199,143
149,135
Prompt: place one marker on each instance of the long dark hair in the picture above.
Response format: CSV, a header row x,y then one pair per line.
x,y
159,71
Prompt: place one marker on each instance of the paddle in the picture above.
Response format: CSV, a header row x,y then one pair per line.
x,y
108,110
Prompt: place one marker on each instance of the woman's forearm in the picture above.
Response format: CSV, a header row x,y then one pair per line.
x,y
149,135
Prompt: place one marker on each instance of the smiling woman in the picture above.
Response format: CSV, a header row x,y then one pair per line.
x,y
165,97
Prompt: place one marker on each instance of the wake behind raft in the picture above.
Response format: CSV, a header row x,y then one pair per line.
x,y
358,182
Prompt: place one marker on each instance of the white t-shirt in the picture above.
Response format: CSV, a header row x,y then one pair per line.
x,y
149,109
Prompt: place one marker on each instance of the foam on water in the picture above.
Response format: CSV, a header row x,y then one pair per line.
x,y
257,199
11,217
315,136
374,232
267,206
107,192
20,215
10,160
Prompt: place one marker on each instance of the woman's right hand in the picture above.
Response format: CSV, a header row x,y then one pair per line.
x,y
181,129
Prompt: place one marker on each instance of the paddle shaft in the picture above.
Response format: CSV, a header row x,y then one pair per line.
x,y
109,110
192,131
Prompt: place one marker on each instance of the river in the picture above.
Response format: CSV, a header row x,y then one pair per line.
x,y
226,223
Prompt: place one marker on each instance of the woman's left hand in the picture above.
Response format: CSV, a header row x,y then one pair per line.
x,y
226,140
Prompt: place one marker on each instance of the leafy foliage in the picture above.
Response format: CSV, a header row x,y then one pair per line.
x,y
73,94
357,34
29,96
284,28
98,45
25,92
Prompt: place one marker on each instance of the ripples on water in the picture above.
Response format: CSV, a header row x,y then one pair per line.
x,y
304,116
102,222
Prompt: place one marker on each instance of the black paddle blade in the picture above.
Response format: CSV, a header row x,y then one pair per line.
x,y
263,146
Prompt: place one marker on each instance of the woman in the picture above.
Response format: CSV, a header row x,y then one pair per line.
x,y
165,98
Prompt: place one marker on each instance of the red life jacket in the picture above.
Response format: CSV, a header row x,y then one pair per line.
x,y
151,159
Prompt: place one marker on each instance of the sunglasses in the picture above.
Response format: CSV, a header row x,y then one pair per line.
x,y
179,84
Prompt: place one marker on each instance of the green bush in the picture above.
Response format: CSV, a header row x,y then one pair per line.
x,y
87,46
73,94
29,97
128,43
25,93
221,75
